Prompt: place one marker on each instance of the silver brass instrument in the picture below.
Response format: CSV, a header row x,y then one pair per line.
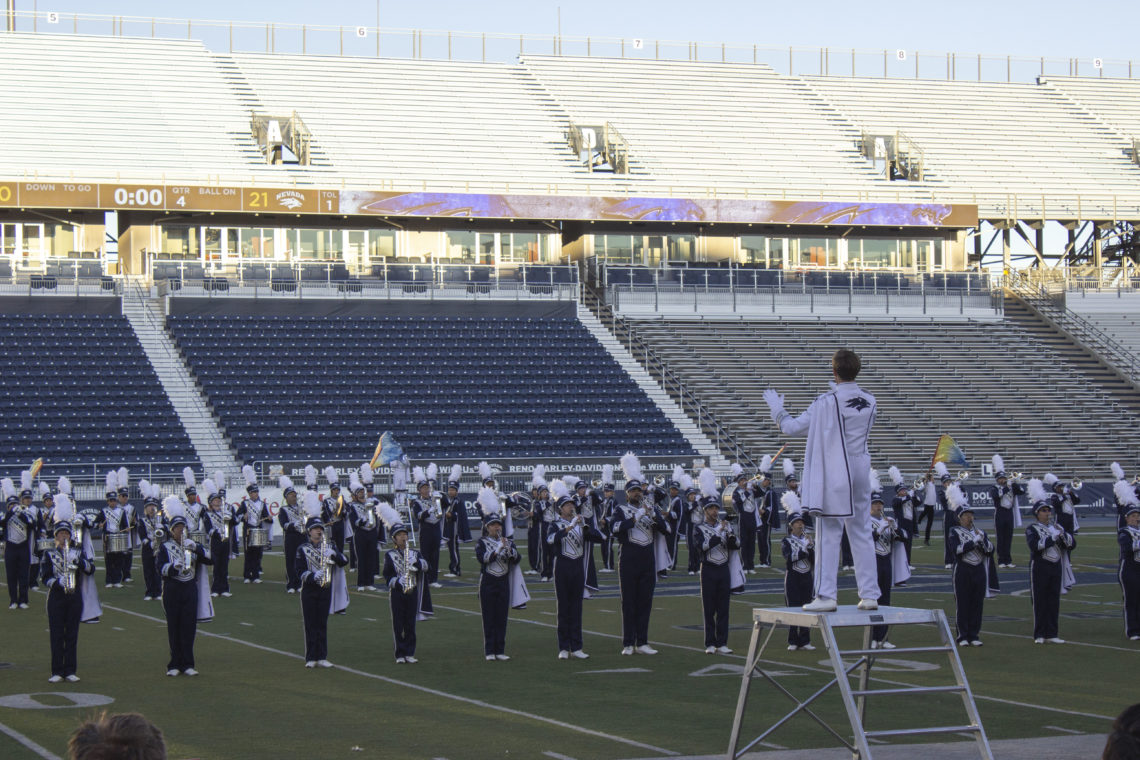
x,y
187,553
408,579
437,505
521,505
1076,484
659,480
596,483
963,474
919,483
325,576
1017,477
67,574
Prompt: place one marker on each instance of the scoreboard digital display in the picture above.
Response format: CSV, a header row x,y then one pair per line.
x,y
258,200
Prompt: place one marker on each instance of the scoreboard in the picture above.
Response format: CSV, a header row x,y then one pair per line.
x,y
110,197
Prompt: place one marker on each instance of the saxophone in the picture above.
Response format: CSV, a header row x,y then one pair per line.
x,y
408,578
325,575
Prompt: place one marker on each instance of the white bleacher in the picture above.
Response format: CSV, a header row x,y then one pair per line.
x,y
713,124
1115,101
88,107
994,137
1116,312
449,124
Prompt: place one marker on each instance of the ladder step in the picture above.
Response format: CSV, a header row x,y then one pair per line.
x,y
896,650
915,731
907,690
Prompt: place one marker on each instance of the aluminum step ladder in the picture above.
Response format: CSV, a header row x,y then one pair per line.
x,y
854,699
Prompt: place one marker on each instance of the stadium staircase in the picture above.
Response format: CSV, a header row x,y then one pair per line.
x,y
1078,339
668,406
1011,387
207,437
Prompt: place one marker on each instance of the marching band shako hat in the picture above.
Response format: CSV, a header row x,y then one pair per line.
x,y
313,511
942,472
766,466
489,506
1126,496
188,477
455,476
738,473
687,485
607,477
211,489
64,513
790,472
310,477
286,486
791,504
876,487
331,477
420,478
1038,495
561,493
432,473
631,466
1053,481
174,510
152,495
487,475
957,500
710,495
1131,508
678,474
250,479
122,482
962,510
26,484
112,481
391,519
45,493
999,467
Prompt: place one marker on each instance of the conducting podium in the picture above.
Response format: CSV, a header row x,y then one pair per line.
x,y
859,663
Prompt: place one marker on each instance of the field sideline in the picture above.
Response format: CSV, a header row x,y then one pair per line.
x,y
254,698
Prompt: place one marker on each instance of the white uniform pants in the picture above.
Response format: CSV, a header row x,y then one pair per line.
x,y
828,538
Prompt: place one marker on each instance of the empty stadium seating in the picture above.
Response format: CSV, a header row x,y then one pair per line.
x,y
78,389
469,387
995,387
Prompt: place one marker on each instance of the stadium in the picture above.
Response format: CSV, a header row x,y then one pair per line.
x,y
248,250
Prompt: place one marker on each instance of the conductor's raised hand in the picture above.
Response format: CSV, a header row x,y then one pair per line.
x,y
775,402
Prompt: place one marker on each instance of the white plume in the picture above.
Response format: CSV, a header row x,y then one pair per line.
x,y
432,471
8,486
366,474
678,473
172,508
354,483
940,468
999,463
310,475
558,489
456,473
631,466
64,509
388,515
123,478
210,488
1035,488
955,497
707,479
284,482
26,480
488,502
607,473
112,481
418,475
45,489
485,471
896,475
1050,479
686,481
1117,471
330,475
570,481
63,485
791,503
538,476
250,475
1124,493
737,470
766,463
188,477
144,488
789,468
876,484
312,504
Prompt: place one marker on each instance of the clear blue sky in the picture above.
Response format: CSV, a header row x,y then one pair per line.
x,y
1050,28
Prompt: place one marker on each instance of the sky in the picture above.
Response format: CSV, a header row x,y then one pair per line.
x,y
1050,28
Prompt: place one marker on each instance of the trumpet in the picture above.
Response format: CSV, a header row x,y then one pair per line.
x,y
659,480
1017,477
1076,484
919,483
963,474
596,483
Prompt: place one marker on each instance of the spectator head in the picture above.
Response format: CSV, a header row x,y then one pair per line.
x,y
845,364
128,736
1124,739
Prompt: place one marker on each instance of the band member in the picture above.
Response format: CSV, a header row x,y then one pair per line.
x,y
675,514
1048,543
1128,538
61,570
767,514
1119,476
949,519
123,493
1064,501
151,531
404,572
19,535
184,599
291,517
744,502
884,532
499,575
792,483
837,425
641,532
456,528
928,500
903,508
584,506
535,537
971,549
114,522
568,535
45,517
604,506
219,521
718,545
1007,512
192,504
365,534
799,559
693,516
427,510
81,536
316,560
253,515
335,514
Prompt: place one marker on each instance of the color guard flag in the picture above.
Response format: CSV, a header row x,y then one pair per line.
x,y
387,450
950,453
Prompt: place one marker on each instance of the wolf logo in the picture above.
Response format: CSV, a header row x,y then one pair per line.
x,y
858,403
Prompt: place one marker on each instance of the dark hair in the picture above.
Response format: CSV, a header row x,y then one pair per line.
x,y
846,364
127,736
1124,741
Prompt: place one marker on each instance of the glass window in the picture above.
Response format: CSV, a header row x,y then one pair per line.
x,y
617,249
815,252
180,242
461,246
518,247
382,243
8,239
754,249
879,253
319,245
256,242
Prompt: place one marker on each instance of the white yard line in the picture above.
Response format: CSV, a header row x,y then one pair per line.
x,y
41,751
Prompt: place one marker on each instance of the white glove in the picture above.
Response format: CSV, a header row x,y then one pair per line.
x,y
775,402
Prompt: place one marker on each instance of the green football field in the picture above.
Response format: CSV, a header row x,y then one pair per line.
x,y
254,699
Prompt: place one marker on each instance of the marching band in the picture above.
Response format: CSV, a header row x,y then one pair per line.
x,y
179,538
